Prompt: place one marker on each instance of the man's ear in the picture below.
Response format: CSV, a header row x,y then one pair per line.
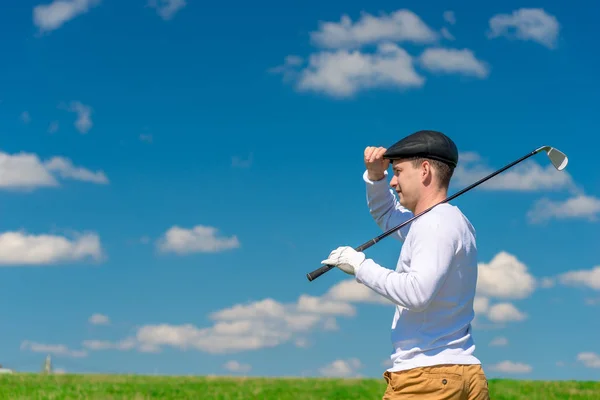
x,y
426,171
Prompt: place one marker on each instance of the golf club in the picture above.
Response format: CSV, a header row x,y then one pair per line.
x,y
558,159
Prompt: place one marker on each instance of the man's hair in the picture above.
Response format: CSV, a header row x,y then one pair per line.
x,y
444,171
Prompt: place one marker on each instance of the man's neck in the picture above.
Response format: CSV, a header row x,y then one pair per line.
x,y
430,200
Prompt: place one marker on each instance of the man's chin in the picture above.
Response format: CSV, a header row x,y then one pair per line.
x,y
401,201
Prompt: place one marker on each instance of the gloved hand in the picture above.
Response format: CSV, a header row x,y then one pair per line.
x,y
345,258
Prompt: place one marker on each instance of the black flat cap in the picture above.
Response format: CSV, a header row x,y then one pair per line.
x,y
428,144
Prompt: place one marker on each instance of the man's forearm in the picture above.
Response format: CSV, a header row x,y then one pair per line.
x,y
431,256
403,289
383,205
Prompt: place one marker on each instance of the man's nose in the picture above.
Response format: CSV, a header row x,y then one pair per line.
x,y
393,182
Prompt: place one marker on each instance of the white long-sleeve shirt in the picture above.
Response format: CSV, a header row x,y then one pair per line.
x,y
433,285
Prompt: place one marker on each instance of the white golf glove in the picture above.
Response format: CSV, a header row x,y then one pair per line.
x,y
345,258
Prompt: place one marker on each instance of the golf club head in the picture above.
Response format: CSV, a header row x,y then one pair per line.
x,y
557,157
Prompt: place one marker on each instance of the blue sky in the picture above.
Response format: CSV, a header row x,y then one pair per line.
x,y
169,173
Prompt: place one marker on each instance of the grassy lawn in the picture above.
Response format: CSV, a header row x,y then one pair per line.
x,y
111,387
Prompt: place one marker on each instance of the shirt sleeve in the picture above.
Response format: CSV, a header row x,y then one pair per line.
x,y
433,249
385,208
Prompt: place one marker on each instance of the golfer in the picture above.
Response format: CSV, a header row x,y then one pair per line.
x,y
433,285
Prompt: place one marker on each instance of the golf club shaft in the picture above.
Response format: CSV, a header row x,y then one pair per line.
x,y
320,271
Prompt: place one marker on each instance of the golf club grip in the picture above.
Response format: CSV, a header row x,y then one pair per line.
x,y
325,268
319,271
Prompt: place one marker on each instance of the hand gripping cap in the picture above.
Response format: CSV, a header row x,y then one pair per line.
x,y
427,144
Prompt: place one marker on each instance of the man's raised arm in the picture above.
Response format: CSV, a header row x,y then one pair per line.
x,y
383,205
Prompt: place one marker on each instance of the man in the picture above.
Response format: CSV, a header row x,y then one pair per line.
x,y
433,285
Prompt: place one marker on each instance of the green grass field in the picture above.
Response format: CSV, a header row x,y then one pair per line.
x,y
111,387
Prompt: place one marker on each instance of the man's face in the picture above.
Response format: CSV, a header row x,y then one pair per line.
x,y
406,182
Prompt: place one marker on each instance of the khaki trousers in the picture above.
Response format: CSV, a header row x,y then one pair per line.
x,y
439,382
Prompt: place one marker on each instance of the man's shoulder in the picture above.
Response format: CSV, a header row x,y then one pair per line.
x,y
444,217
442,212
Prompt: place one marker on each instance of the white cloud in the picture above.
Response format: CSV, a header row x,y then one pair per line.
x,y
587,278
25,171
267,308
354,57
450,17
446,33
481,305
56,349
341,368
344,73
65,168
167,9
399,26
469,156
236,366
83,123
126,344
242,327
453,61
498,313
590,360
21,249
255,325
505,277
99,319
505,312
199,239
580,206
353,292
224,337
499,341
48,17
314,304
511,367
290,61
533,24
527,176
289,68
